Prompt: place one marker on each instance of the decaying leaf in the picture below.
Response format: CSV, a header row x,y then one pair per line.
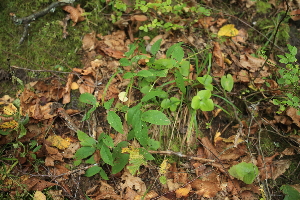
x,y
75,13
59,142
228,30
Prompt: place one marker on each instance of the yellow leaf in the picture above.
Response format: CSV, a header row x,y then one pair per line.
x,y
164,166
38,195
183,192
59,142
228,30
11,124
10,109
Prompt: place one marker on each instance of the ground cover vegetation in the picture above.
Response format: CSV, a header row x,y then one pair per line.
x,y
149,99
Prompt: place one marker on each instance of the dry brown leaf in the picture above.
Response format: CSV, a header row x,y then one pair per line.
x,y
34,184
132,182
218,55
75,13
251,63
89,41
292,113
205,188
183,192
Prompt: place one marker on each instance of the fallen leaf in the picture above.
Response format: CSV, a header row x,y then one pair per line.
x,y
75,13
228,30
183,192
38,195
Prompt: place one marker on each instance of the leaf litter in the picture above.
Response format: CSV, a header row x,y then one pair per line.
x,y
193,178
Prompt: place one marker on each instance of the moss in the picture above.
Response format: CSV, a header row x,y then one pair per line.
x,y
44,47
263,7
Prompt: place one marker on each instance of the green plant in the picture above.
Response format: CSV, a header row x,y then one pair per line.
x,y
89,99
290,192
245,172
288,80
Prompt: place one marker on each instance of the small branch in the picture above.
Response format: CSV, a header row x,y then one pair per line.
x,y
34,16
183,156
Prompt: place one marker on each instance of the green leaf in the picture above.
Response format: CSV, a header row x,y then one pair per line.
x,y
88,98
129,75
84,152
125,62
115,121
132,112
195,102
164,63
155,47
204,94
92,171
180,82
103,174
107,139
227,82
206,105
88,113
153,94
90,160
120,159
106,155
85,140
145,73
155,117
178,53
205,80
163,179
153,144
246,172
142,136
185,68
292,49
107,104
165,104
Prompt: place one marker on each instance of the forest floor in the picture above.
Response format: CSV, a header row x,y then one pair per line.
x,y
182,101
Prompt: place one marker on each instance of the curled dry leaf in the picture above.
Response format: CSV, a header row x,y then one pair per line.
x,y
139,18
75,13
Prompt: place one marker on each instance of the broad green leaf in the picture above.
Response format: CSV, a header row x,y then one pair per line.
x,y
88,98
178,53
120,159
153,145
132,112
166,103
145,73
84,152
125,62
180,82
204,94
90,160
92,171
155,47
142,136
115,121
185,68
153,94
85,140
160,73
107,104
291,193
103,174
227,82
206,105
171,49
106,155
129,75
88,113
164,63
107,139
155,117
195,102
205,80
246,172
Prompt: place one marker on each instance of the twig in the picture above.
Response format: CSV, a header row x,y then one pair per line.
x,y
179,154
34,16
